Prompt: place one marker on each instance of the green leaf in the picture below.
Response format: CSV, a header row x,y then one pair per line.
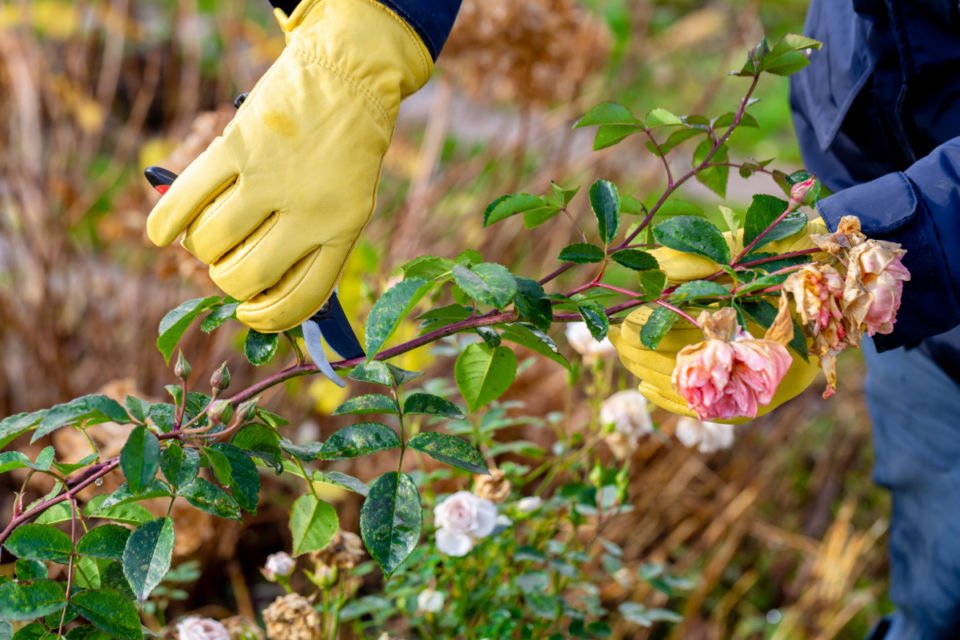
x,y
535,340
28,570
60,512
449,450
305,452
179,466
40,542
30,601
427,267
509,205
446,314
635,259
392,307
764,313
714,178
661,116
483,374
13,426
605,201
175,323
220,465
693,235
11,460
106,541
125,514
244,479
147,554
679,136
563,196
391,519
218,316
763,211
92,409
657,326
210,498
610,134
123,495
341,480
532,303
581,253
596,318
629,204
382,373
700,289
109,611
606,113
359,440
138,408
313,524
260,441
430,405
140,458
259,348
487,283
368,403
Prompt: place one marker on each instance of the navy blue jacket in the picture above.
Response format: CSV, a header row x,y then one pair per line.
x,y
431,19
877,114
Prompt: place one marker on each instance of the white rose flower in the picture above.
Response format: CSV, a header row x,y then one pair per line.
x,y
194,628
462,518
528,504
279,564
429,601
627,412
708,437
579,337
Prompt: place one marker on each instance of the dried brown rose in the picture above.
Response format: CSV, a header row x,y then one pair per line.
x,y
493,487
292,617
345,551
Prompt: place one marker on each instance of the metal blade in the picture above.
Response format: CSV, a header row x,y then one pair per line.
x,y
312,338
336,329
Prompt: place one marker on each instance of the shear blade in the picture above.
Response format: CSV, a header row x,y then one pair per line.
x,y
330,325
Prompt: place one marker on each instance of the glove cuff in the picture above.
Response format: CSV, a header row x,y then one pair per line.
x,y
365,42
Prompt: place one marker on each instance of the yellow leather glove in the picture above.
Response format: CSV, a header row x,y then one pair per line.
x,y
276,203
683,267
655,368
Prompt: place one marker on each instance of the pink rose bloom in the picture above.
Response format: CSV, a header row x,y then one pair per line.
x,y
723,379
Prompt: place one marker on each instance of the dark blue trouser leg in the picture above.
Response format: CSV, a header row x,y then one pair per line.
x,y
915,409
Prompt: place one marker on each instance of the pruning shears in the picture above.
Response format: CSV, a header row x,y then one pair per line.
x,y
329,324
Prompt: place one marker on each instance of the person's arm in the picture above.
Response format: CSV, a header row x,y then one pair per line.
x,y
918,208
431,19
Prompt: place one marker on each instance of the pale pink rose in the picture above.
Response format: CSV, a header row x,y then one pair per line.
x,y
194,628
278,564
462,518
708,437
583,342
722,380
882,275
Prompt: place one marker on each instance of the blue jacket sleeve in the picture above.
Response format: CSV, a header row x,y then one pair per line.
x,y
920,209
431,19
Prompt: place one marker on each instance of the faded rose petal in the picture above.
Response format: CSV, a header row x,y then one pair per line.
x,y
194,628
453,543
486,519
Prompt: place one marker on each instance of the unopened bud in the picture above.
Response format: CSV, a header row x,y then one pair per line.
x,y
182,368
325,576
220,379
799,191
220,411
248,410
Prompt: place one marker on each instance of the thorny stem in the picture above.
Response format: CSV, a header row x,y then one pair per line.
x,y
677,310
747,249
73,538
782,256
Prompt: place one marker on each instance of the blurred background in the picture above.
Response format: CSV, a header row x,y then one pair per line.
x,y
784,530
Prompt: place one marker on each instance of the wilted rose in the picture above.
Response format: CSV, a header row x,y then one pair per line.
x,y
731,373
579,337
278,564
194,628
462,518
708,437
874,285
493,486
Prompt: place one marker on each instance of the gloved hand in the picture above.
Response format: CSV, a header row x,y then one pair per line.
x,y
276,203
683,267
655,367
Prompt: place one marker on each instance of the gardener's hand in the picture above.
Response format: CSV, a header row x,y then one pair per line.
x,y
276,203
655,367
683,267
